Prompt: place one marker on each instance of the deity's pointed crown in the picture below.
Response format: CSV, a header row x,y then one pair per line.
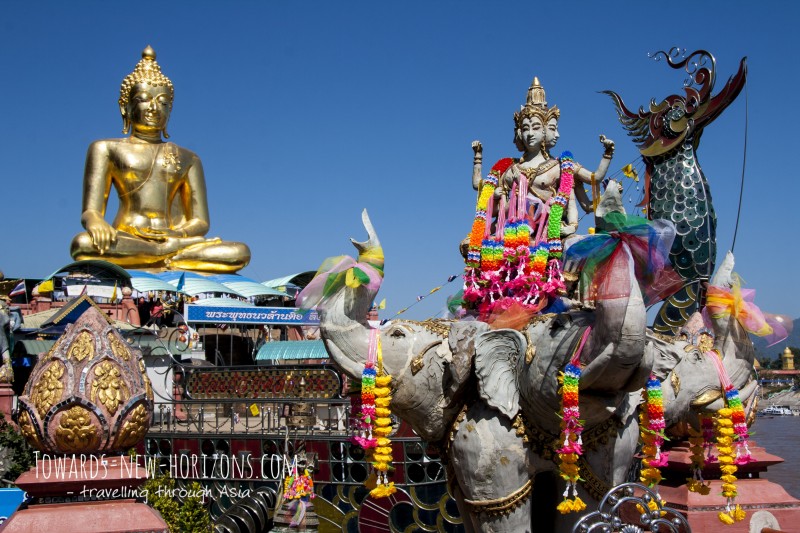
x,y
536,105
147,70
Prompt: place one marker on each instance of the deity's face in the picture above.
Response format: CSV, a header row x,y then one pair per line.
x,y
531,133
149,108
551,134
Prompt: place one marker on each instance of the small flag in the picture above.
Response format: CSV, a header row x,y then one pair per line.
x,y
420,298
45,286
181,282
451,278
114,292
630,172
382,305
19,289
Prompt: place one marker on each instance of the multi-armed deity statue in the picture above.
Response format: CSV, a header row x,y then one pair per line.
x,y
163,209
526,208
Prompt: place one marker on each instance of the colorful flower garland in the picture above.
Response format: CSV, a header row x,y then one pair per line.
x,y
382,455
732,441
299,488
506,267
374,419
366,411
296,486
651,432
571,444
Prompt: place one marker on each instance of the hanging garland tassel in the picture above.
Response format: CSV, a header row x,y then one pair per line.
x,y
698,444
732,441
651,430
366,416
571,428
382,456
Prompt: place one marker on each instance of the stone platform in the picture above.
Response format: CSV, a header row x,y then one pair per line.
x,y
765,502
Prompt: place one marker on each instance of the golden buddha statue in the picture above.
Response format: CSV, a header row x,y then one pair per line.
x,y
163,210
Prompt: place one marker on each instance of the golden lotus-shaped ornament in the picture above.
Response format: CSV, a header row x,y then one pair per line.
x,y
88,394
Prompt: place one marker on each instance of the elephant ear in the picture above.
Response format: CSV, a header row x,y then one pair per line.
x,y
496,356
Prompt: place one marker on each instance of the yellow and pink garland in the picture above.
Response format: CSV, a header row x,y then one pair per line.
x,y
651,432
571,445
731,440
375,418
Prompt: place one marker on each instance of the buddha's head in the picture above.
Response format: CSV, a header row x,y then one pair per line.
x,y
145,97
536,125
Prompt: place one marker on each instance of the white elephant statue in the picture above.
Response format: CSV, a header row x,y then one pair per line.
x,y
489,398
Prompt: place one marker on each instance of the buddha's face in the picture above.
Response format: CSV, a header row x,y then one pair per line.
x,y
551,133
532,133
149,108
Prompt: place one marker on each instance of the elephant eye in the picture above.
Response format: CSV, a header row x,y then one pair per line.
x,y
397,333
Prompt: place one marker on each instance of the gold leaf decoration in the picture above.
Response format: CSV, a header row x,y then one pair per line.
x,y
28,431
134,428
148,387
675,380
118,347
108,386
75,432
48,389
82,347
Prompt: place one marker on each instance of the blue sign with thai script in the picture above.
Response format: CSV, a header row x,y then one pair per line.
x,y
251,315
10,500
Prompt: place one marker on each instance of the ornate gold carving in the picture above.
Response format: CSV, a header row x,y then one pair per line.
x,y
504,505
118,347
437,327
82,347
28,431
570,276
134,428
108,386
676,382
445,447
519,426
530,350
538,319
705,342
595,486
707,397
666,338
417,363
48,388
75,432
148,387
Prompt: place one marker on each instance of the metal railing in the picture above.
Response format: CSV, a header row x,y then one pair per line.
x,y
245,417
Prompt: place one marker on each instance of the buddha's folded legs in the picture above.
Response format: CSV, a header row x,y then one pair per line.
x,y
191,253
213,255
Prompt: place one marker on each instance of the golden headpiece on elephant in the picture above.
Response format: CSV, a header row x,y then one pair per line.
x,y
536,106
147,71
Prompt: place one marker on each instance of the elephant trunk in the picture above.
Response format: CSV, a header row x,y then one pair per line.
x,y
730,338
615,348
343,316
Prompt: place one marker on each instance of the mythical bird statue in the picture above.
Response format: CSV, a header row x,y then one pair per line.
x,y
676,189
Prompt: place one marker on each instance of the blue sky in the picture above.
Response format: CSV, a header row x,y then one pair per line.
x,y
304,113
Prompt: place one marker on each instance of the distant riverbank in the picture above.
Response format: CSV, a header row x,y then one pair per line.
x,y
779,436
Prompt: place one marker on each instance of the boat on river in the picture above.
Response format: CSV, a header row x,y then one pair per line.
x,y
776,410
